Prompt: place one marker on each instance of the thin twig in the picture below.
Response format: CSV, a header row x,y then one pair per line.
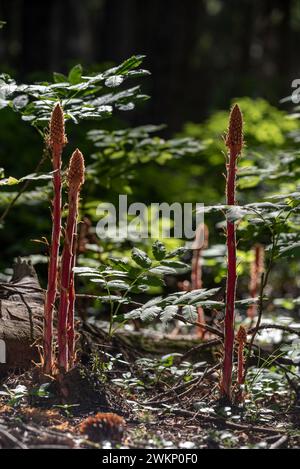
x,y
157,399
279,443
196,348
12,439
274,326
22,189
227,423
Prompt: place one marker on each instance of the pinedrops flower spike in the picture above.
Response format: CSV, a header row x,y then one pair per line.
x,y
234,138
56,141
66,336
234,142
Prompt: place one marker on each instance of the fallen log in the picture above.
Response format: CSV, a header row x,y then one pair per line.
x,y
21,318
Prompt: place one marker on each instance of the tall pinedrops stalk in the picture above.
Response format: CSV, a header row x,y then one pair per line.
x,y
234,143
56,141
256,270
241,338
66,348
71,309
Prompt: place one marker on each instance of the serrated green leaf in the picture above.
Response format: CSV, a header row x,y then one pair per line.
x,y
150,313
159,250
190,313
141,258
168,313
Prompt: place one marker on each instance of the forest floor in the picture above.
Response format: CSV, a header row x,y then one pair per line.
x,y
157,401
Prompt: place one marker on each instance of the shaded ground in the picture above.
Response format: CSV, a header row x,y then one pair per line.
x,y
168,401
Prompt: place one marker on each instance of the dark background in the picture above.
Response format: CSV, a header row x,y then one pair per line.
x,y
202,53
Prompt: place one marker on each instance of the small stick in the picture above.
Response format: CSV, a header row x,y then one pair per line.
x,y
279,443
225,423
287,329
6,435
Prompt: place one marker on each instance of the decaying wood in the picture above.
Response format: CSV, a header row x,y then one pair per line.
x,y
21,313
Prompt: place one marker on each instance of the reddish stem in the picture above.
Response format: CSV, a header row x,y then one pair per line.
x,y
241,339
66,349
66,271
53,260
257,267
234,142
231,280
71,311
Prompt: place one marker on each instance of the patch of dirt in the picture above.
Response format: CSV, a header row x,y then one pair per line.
x,y
159,409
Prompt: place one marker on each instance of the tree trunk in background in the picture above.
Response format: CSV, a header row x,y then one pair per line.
x,y
200,53
35,42
285,47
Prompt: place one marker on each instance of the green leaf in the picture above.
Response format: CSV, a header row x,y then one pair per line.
x,y
37,177
178,265
85,271
134,314
151,313
141,258
190,313
169,313
10,181
117,285
196,296
155,301
152,281
113,298
75,74
159,250
176,252
246,302
291,251
129,64
163,270
59,78
20,101
114,81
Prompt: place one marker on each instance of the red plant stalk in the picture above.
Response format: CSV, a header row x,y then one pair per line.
x,y
257,268
200,242
241,339
56,141
234,142
71,310
67,294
